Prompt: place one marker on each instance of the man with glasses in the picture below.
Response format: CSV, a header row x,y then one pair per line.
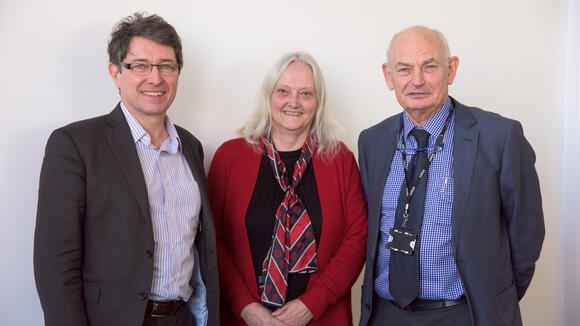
x,y
455,212
124,233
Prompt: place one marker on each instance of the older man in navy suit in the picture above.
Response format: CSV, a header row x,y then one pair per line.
x,y
455,213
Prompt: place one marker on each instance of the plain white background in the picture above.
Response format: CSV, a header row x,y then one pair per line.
x,y
518,58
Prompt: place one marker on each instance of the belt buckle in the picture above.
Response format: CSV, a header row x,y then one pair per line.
x,y
153,314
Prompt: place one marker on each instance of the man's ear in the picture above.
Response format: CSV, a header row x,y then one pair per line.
x,y
114,72
388,76
453,62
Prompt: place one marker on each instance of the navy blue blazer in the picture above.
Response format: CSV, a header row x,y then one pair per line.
x,y
498,224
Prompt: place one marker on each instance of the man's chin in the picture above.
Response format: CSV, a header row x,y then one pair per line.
x,y
155,109
418,108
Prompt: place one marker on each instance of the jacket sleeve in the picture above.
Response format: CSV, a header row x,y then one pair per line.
x,y
521,206
58,239
347,260
233,288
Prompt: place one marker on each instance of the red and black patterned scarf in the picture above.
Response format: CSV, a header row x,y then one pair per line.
x,y
293,248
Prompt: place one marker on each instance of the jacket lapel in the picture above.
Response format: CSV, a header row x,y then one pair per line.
x,y
465,143
382,158
192,160
121,141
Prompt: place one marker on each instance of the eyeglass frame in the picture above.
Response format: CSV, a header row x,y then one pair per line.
x,y
151,65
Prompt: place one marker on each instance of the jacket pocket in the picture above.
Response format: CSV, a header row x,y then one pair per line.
x,y
507,306
92,291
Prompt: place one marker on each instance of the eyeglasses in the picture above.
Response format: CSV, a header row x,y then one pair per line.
x,y
143,69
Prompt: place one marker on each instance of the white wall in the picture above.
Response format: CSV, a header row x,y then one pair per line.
x,y
570,170
53,71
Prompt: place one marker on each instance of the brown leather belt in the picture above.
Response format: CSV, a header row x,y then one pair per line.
x,y
157,309
422,305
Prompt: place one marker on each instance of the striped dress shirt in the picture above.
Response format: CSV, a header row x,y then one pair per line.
x,y
438,275
175,205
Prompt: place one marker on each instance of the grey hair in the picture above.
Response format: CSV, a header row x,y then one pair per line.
x,y
422,30
324,130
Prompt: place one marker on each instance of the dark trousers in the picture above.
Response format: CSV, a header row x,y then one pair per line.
x,y
181,317
386,312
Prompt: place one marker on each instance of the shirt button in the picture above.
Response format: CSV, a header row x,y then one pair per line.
x,y
173,280
174,246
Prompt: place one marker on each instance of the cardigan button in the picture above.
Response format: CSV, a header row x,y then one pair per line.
x,y
149,253
142,295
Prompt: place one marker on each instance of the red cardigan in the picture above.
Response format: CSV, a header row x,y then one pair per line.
x,y
341,251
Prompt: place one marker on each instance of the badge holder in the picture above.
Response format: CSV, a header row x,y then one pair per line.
x,y
402,240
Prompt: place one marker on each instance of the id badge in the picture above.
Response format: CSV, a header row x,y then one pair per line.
x,y
402,240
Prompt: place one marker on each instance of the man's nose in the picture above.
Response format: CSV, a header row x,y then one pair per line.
x,y
418,78
154,75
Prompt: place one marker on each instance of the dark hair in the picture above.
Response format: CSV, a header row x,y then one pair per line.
x,y
152,27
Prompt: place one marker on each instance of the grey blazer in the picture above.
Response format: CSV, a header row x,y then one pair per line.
x,y
93,247
498,224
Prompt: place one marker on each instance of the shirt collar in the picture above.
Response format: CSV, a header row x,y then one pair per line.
x,y
434,125
172,144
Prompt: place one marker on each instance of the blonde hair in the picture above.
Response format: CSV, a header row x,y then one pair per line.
x,y
324,130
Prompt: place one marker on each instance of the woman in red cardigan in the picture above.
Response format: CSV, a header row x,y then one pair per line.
x,y
289,209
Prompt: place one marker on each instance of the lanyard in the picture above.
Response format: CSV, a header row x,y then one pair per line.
x,y
438,144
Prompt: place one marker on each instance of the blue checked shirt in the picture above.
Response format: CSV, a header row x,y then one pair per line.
x,y
175,205
438,275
